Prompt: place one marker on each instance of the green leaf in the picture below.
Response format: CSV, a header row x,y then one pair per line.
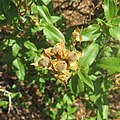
x,y
116,20
76,85
5,4
6,43
64,116
89,54
52,33
12,9
90,33
112,64
110,9
115,32
3,103
46,2
15,49
29,45
34,8
85,78
19,69
44,13
55,18
105,111
72,110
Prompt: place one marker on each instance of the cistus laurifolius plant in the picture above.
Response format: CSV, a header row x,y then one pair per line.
x,y
59,60
86,61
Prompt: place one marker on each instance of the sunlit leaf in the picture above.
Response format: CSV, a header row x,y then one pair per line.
x,y
88,55
3,103
19,69
116,20
112,64
44,13
110,9
46,1
15,49
52,33
115,32
85,78
105,111
90,33
29,45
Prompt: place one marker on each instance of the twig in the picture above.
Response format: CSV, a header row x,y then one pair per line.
x,y
2,89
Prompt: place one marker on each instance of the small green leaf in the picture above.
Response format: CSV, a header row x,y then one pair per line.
x,y
15,49
29,45
19,69
115,32
110,9
3,103
64,116
34,8
85,78
90,33
52,33
46,2
112,64
105,111
72,110
89,54
55,19
44,13
116,20
76,85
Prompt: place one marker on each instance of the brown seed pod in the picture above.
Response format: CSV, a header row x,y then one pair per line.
x,y
73,65
117,81
73,56
44,62
47,52
76,35
63,77
58,47
61,65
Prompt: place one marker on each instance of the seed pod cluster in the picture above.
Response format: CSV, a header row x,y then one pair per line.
x,y
59,60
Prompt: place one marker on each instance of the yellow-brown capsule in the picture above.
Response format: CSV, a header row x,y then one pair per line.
x,y
61,65
44,62
73,56
58,47
117,81
76,35
63,77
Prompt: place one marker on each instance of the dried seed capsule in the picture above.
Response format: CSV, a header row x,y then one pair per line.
x,y
61,65
63,77
58,47
73,56
44,62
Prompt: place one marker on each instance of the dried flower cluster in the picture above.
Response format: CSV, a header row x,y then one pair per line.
x,y
59,60
76,35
